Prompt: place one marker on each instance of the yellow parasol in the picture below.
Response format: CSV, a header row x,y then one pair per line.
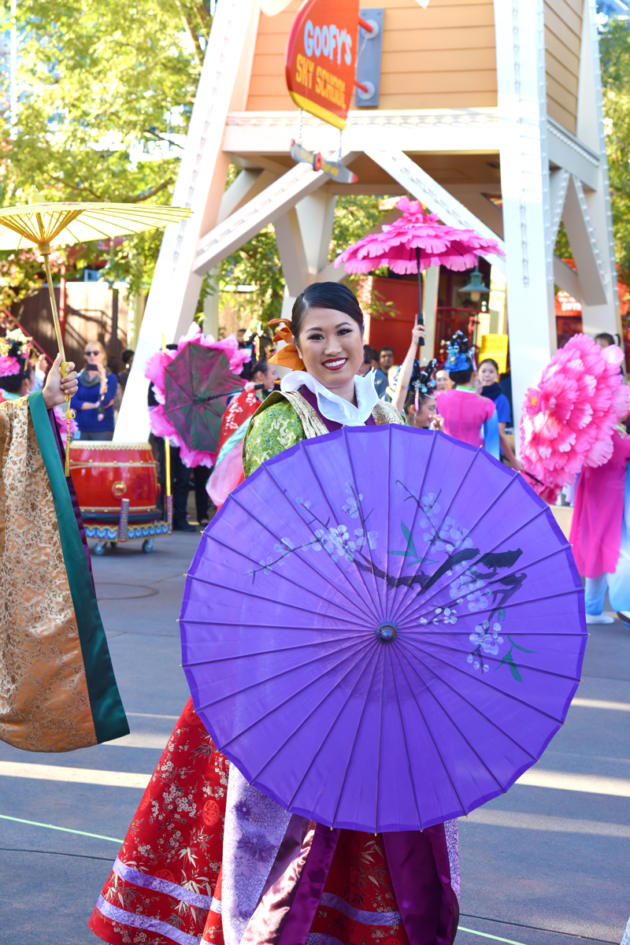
x,y
42,223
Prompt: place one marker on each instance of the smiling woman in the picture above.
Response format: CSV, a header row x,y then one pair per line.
x,y
327,326
283,857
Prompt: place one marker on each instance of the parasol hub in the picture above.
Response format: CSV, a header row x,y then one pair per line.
x,y
44,248
386,633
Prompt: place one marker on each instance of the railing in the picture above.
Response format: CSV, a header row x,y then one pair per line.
x,y
9,322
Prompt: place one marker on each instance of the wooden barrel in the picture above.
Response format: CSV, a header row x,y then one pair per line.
x,y
105,473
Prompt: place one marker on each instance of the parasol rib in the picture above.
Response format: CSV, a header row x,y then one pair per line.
x,y
354,744
427,726
476,708
279,649
417,508
290,669
411,642
299,515
281,574
486,682
452,722
411,625
438,529
288,738
369,549
404,735
421,602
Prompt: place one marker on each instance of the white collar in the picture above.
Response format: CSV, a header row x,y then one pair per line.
x,y
332,406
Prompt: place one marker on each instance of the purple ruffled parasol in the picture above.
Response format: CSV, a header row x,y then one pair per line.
x,y
383,628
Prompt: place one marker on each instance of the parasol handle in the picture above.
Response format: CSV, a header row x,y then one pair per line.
x,y
53,302
420,315
44,248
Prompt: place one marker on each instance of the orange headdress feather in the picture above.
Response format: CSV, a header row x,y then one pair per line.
x,y
287,356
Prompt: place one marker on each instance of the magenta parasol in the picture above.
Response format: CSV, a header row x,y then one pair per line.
x,y
413,243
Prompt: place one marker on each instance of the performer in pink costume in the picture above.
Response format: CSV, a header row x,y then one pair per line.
x,y
465,411
599,532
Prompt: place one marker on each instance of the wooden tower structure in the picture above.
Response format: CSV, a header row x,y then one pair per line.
x,y
478,100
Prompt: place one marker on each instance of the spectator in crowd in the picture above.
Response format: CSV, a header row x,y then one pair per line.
x,y
466,412
425,416
370,360
489,386
381,378
604,339
240,337
443,380
94,400
127,359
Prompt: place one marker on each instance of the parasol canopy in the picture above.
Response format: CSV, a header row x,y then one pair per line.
x,y
197,383
414,242
42,223
383,628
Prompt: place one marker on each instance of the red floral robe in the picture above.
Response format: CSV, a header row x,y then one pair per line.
x,y
165,885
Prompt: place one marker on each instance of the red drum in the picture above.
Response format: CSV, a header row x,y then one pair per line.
x,y
105,473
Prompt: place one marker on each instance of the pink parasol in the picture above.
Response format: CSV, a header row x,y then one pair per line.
x,y
156,370
413,243
570,414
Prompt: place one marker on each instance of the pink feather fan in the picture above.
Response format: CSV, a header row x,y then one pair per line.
x,y
570,415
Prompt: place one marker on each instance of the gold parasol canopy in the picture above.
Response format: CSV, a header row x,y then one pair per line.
x,y
42,224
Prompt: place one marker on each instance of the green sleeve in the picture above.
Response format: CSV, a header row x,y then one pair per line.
x,y
274,430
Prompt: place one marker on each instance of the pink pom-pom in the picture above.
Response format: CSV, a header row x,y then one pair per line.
x,y
569,417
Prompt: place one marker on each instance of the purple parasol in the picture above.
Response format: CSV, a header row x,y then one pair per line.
x,y
383,628
413,243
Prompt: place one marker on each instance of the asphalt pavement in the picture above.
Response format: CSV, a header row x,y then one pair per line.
x,y
541,865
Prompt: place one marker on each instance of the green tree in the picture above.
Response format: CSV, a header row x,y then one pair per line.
x,y
105,95
615,57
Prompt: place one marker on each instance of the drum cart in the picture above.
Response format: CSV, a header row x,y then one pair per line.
x,y
103,473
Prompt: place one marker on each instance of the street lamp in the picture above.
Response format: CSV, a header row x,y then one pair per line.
x,y
475,287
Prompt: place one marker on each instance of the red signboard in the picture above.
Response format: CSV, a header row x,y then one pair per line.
x,y
566,305
321,58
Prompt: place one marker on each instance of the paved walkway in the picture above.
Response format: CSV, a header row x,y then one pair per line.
x,y
540,866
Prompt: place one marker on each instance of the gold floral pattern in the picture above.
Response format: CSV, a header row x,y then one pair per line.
x,y
283,419
44,702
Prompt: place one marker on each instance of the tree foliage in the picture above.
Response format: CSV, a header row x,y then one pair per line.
x,y
615,56
105,94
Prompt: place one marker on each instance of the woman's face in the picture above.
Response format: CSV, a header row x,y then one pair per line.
x,y
487,374
331,346
268,377
422,417
94,354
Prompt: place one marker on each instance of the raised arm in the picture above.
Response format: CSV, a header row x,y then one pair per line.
x,y
417,332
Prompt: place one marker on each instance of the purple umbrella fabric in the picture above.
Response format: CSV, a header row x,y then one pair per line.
x,y
383,628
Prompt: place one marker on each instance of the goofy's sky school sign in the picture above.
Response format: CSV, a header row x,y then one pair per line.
x,y
321,58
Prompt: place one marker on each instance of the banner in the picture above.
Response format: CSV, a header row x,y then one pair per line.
x,y
321,56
